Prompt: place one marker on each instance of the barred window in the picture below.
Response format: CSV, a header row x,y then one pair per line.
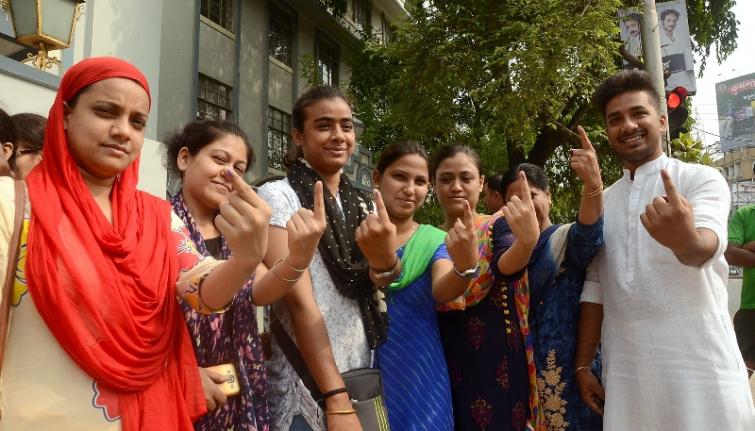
x,y
280,36
327,60
278,137
213,100
360,13
218,11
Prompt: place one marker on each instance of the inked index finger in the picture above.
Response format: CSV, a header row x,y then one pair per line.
x,y
526,197
671,192
319,208
468,216
586,144
382,213
240,186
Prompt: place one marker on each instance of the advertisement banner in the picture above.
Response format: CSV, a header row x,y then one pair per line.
x,y
735,99
676,45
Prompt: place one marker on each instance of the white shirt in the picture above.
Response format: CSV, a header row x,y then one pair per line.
x,y
286,393
670,356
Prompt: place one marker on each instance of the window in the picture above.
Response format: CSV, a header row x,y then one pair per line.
x,y
278,133
280,35
360,13
327,60
214,100
386,29
218,11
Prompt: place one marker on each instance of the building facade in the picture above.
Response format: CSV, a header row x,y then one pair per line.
x,y
242,60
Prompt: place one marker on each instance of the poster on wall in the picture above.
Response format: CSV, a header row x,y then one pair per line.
x,y
735,99
676,45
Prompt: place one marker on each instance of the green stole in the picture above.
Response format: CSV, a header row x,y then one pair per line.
x,y
418,253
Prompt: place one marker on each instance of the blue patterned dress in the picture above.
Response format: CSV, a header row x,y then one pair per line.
x,y
229,337
415,375
556,274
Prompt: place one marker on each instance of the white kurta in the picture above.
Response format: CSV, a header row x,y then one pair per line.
x,y
670,356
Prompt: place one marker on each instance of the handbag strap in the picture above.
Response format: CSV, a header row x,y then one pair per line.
x,y
294,357
10,274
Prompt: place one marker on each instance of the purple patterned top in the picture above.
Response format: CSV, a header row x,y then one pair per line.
x,y
229,337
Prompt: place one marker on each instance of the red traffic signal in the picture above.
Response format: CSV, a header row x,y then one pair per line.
x,y
675,98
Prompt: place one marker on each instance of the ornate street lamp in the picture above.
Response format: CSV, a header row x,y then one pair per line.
x,y
46,25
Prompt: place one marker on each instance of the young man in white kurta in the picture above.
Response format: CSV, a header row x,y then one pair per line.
x,y
670,355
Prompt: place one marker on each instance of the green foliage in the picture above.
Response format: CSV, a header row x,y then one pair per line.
x,y
689,149
510,78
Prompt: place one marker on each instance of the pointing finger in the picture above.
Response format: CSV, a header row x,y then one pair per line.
x,y
586,144
673,195
319,208
468,216
382,213
242,188
526,198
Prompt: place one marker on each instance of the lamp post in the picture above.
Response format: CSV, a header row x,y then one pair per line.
x,y
46,25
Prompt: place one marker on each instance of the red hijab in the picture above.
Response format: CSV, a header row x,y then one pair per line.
x,y
106,291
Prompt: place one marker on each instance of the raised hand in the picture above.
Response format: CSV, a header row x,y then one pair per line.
x,y
584,161
669,220
376,237
461,241
520,214
304,231
243,221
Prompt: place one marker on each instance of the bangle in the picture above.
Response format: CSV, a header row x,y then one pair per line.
x,y
287,280
578,369
341,412
593,193
285,260
391,269
329,394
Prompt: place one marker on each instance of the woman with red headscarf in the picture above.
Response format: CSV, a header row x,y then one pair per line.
x,y
99,343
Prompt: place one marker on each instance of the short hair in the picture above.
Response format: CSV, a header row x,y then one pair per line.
x,y
8,134
395,151
534,173
298,116
197,135
30,132
448,151
668,12
634,16
624,82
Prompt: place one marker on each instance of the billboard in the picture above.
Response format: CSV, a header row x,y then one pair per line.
x,y
676,45
735,99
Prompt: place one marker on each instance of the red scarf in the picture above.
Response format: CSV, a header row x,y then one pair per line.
x,y
106,291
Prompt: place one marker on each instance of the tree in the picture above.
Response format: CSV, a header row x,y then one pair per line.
x,y
510,78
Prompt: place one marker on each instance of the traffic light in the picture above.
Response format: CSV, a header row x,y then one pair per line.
x,y
677,112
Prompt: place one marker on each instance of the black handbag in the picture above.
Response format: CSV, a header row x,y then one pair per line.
x,y
364,385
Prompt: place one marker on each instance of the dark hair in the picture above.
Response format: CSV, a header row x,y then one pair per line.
x,y
494,182
30,132
8,134
634,16
393,152
298,116
534,173
448,151
197,135
624,82
668,12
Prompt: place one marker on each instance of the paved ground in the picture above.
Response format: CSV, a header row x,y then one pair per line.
x,y
735,290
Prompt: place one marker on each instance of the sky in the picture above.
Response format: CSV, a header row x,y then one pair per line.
x,y
740,62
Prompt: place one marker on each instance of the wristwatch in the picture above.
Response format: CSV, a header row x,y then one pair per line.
x,y
470,273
